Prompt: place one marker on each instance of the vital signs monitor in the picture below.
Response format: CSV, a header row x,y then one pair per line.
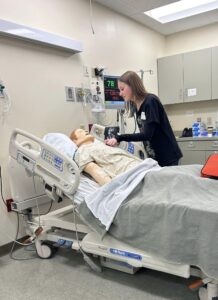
x,y
112,96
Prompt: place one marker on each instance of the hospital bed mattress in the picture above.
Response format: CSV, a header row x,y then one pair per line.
x,y
86,187
173,214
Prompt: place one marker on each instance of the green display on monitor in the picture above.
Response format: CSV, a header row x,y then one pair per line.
x,y
111,83
112,93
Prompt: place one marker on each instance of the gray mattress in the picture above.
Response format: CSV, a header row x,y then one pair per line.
x,y
172,213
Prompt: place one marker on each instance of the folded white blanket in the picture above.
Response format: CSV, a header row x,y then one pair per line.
x,y
105,202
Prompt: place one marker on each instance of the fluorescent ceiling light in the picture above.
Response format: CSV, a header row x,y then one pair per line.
x,y
181,9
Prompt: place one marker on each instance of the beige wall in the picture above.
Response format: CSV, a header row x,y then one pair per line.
x,y
191,40
35,76
183,115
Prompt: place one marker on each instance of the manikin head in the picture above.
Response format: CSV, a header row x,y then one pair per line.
x,y
80,136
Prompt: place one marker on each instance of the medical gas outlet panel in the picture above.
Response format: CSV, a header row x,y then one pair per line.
x,y
92,86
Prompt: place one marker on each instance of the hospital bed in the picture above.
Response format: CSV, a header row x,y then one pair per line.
x,y
39,173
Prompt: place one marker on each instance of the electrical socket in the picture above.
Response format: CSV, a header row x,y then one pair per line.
x,y
70,95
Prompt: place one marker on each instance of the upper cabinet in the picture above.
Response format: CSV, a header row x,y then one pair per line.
x,y
187,77
197,75
215,73
170,79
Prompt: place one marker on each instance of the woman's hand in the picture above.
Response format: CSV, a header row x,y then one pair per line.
x,y
111,142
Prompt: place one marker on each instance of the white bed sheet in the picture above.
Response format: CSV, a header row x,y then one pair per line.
x,y
86,187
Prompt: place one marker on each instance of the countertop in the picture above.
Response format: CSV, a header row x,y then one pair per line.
x,y
202,138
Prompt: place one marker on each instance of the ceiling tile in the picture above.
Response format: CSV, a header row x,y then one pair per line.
x,y
135,8
144,5
119,6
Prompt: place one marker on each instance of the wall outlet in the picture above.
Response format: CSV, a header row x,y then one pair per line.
x,y
70,95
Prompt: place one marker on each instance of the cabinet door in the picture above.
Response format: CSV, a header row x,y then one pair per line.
x,y
208,153
193,157
197,75
215,73
170,79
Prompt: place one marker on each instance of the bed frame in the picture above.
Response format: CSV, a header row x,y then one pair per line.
x,y
39,174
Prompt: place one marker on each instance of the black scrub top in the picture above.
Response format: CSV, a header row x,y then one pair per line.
x,y
155,132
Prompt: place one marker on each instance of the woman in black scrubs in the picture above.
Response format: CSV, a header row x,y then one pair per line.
x,y
155,130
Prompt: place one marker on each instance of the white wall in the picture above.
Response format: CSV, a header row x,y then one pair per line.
x,y
35,76
183,115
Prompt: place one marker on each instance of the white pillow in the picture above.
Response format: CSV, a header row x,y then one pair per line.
x,y
61,142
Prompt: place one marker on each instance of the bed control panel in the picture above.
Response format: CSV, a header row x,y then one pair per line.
x,y
131,148
25,161
52,159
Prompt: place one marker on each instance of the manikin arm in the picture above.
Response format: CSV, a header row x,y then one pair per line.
x,y
97,173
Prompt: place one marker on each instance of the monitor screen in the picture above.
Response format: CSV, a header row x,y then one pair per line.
x,y
112,96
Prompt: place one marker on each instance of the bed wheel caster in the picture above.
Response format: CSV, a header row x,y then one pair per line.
x,y
45,250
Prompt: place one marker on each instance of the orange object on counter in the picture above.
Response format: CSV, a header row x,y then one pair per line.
x,y
210,169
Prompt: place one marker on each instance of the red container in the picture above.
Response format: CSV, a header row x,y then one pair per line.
x,y
210,169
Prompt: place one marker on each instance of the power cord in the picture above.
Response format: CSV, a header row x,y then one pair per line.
x,y
2,188
91,16
87,259
17,231
16,242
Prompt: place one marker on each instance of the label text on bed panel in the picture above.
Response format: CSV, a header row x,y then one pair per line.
x,y
125,253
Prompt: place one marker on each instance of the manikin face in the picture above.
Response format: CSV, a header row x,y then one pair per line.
x,y
81,137
125,91
80,133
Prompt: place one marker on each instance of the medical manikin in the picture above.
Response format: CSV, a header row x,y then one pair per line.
x,y
100,161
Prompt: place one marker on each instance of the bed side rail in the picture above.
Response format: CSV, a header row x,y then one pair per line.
x,y
53,167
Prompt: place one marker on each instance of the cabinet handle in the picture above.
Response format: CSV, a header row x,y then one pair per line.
x,y
186,93
190,144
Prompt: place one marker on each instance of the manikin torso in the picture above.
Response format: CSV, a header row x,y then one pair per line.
x,y
100,160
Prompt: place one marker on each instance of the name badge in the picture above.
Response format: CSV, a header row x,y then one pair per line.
x,y
143,116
